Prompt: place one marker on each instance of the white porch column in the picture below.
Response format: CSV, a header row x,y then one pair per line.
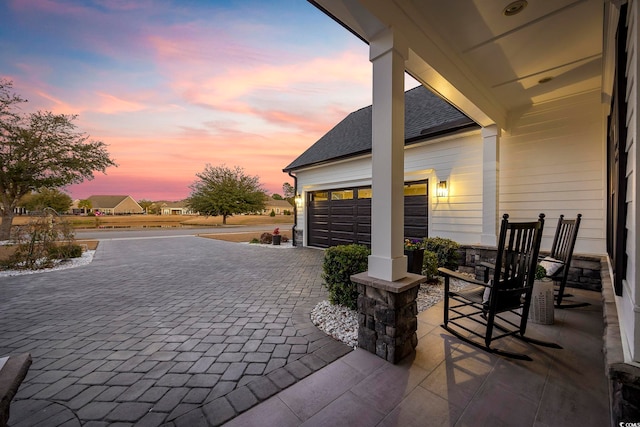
x,y
387,260
490,185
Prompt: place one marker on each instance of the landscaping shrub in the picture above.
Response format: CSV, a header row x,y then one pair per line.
x,y
255,240
340,263
65,251
266,238
273,213
430,265
446,251
36,243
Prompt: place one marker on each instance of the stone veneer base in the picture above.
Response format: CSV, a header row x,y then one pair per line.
x,y
624,378
387,315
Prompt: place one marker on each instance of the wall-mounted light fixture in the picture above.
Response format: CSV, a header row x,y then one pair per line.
x,y
443,191
298,200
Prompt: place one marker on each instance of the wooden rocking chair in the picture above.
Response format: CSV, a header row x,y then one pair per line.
x,y
501,305
559,260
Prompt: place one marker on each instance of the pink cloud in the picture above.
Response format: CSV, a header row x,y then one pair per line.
x,y
170,97
112,104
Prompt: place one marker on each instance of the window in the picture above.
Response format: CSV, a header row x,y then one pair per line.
x,y
415,189
319,196
364,193
342,195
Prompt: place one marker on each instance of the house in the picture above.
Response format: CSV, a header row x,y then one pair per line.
x,y
335,173
553,87
114,205
279,207
174,208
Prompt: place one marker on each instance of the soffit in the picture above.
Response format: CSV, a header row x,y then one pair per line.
x,y
487,64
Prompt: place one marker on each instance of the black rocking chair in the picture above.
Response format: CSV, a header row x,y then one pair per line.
x,y
559,260
500,305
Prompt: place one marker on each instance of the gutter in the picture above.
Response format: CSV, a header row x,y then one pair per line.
x,y
295,208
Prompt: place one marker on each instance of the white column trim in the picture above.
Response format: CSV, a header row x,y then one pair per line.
x,y
490,185
387,260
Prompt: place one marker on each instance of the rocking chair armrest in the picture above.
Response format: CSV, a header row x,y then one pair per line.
x,y
450,273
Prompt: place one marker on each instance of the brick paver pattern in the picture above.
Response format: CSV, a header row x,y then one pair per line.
x,y
164,331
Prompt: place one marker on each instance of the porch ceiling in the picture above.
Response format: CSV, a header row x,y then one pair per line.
x,y
487,64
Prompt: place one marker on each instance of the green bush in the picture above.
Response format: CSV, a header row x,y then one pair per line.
x,y
273,213
255,240
430,265
65,251
340,263
446,251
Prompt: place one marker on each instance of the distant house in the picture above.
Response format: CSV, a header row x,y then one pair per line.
x,y
277,206
174,208
114,205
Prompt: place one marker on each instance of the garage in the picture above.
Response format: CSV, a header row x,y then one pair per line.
x,y
343,216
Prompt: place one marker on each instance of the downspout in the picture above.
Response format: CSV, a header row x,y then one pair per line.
x,y
295,208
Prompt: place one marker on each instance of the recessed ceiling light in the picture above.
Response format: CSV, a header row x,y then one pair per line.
x,y
514,8
545,80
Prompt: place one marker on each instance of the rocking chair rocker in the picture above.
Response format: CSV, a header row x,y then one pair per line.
x,y
500,305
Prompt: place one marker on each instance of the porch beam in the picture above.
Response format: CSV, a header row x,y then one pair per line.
x,y
388,54
490,184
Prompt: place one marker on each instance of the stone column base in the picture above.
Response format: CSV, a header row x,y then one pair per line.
x,y
387,315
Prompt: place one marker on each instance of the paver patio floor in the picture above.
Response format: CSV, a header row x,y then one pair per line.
x,y
159,330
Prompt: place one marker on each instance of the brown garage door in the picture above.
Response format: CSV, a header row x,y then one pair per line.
x,y
343,216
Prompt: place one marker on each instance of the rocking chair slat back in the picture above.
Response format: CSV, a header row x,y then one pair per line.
x,y
562,248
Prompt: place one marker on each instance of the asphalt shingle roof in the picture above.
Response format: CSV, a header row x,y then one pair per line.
x,y
106,201
426,115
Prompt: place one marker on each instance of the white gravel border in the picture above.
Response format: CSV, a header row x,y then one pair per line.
x,y
342,323
86,258
284,245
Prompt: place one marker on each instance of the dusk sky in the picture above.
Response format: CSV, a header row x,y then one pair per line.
x,y
170,86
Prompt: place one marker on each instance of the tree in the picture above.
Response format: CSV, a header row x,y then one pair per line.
x,y
289,193
226,191
276,196
48,198
145,204
40,150
85,204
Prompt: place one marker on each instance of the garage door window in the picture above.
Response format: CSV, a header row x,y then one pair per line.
x,y
342,195
415,189
319,196
364,193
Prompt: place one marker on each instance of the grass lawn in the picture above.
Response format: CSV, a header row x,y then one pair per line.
x,y
146,221
133,221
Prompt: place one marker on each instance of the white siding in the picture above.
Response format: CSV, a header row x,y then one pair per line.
x,y
629,311
457,160
553,161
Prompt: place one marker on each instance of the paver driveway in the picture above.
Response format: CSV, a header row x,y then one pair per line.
x,y
180,331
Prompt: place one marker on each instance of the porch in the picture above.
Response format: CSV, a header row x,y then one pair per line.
x,y
447,382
